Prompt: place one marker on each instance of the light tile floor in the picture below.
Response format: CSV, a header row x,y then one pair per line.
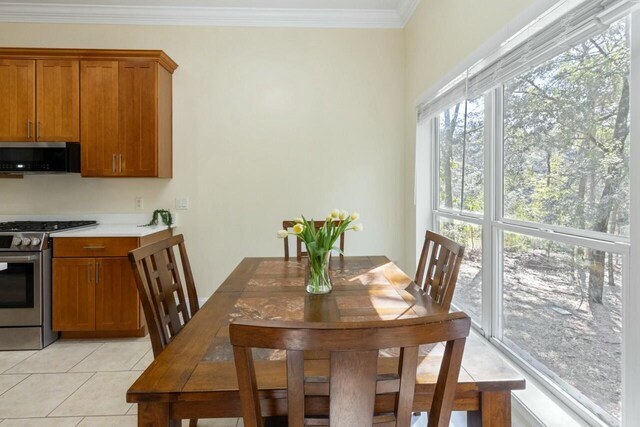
x,y
76,383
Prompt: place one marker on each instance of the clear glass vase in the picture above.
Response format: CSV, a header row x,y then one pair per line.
x,y
318,279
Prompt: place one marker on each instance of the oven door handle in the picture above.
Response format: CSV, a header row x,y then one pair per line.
x,y
18,258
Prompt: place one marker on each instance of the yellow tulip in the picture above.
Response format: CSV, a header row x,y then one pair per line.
x,y
335,213
355,216
298,228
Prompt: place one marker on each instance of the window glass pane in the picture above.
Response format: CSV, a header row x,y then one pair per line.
x,y
451,129
468,292
562,312
566,137
460,154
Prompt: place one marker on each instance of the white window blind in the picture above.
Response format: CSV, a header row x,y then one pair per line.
x,y
565,24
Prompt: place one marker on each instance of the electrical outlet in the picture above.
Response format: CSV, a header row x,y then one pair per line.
x,y
139,203
182,203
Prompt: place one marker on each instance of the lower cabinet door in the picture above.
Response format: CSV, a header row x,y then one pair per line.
x,y
73,294
117,304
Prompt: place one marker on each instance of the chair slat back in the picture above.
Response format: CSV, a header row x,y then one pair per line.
x,y
160,286
438,267
286,225
353,379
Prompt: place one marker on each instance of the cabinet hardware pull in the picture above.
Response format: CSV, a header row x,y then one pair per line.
x,y
97,273
28,129
38,130
120,163
113,163
93,247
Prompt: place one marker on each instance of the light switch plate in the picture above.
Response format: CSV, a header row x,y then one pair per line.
x,y
182,203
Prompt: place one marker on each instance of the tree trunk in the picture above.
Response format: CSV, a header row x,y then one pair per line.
x,y
607,203
612,230
449,129
582,187
596,276
548,168
612,279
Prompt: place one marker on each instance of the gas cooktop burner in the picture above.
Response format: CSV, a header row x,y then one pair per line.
x,y
43,226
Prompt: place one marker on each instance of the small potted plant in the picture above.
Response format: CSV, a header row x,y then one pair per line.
x,y
320,242
162,214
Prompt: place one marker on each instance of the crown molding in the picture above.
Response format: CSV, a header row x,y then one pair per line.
x,y
406,9
207,16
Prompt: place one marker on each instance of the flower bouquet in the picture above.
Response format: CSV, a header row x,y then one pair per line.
x,y
319,242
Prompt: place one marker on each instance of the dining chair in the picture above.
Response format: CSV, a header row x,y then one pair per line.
x,y
438,267
299,252
353,383
159,285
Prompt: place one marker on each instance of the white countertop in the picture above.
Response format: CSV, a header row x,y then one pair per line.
x,y
109,225
111,230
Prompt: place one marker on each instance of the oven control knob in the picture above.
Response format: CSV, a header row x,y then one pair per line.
x,y
16,241
35,241
26,241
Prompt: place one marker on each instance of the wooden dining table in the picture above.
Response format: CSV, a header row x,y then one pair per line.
x,y
195,377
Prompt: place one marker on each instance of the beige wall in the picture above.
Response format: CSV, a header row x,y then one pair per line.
x,y
268,124
440,35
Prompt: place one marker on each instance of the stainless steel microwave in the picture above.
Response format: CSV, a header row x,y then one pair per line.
x,y
39,157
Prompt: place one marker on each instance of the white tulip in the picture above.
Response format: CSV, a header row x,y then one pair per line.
x,y
355,216
343,215
297,220
282,234
298,228
329,218
358,227
335,213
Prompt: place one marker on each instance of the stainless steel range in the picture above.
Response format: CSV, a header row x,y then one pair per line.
x,y
25,282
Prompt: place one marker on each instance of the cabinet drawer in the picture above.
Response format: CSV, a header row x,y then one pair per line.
x,y
89,247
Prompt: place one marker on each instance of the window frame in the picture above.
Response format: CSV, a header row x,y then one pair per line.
x,y
494,224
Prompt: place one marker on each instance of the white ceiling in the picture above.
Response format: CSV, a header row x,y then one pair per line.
x,y
272,13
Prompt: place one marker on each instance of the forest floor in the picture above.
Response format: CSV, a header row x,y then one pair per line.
x,y
547,317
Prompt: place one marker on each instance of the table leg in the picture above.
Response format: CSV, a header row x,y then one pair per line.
x,y
495,410
155,414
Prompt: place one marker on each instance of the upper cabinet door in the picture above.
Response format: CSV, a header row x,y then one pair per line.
x,y
58,94
138,121
17,100
99,118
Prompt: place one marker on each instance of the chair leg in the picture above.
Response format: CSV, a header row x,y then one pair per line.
x,y
193,422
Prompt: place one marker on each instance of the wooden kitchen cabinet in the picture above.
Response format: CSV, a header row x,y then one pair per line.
x,y
117,302
138,91
126,107
58,101
94,290
73,294
116,103
99,112
95,294
39,100
17,100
